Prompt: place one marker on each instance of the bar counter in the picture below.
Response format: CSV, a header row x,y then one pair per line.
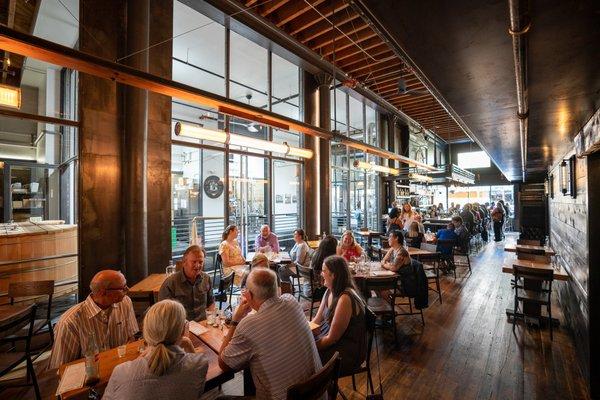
x,y
35,251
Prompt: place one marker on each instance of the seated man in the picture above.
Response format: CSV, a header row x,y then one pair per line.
x,y
266,240
446,234
276,341
107,313
462,233
190,286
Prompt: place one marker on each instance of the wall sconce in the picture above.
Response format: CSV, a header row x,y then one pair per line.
x,y
10,96
567,177
549,186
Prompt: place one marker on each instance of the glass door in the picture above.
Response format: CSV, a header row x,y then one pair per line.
x,y
248,196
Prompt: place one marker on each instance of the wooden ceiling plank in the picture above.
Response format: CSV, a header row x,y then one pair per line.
x,y
353,52
343,43
329,41
331,12
292,12
320,27
272,7
355,64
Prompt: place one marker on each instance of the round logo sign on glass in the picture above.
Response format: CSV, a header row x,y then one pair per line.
x,y
213,186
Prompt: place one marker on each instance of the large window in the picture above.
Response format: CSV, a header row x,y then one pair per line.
x,y
473,159
198,50
216,184
480,194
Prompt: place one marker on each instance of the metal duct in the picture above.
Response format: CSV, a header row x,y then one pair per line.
x,y
519,27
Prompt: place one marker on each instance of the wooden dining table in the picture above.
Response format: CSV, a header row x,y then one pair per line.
x,y
369,235
109,359
283,257
516,248
150,284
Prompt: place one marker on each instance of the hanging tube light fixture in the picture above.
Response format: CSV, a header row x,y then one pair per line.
x,y
200,133
374,167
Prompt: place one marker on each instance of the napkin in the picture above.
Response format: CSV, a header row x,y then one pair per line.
x,y
197,329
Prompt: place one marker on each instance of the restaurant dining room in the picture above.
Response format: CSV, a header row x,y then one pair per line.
x,y
299,199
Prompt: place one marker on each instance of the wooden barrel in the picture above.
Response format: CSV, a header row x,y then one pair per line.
x,y
38,251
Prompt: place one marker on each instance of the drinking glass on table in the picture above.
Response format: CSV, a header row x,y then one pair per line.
x,y
122,350
210,317
170,270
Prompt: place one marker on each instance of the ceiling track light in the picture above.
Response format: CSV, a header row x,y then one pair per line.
x,y
375,167
200,133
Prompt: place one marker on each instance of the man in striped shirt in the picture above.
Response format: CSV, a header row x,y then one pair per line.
x,y
107,312
276,341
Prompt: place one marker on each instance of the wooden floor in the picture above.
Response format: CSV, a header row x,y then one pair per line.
x,y
467,349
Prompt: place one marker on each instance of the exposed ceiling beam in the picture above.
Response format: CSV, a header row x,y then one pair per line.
x,y
271,7
320,27
293,11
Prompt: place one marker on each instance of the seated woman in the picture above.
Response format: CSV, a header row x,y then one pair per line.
x,y
414,237
342,317
327,247
300,255
348,247
230,250
396,241
169,367
393,220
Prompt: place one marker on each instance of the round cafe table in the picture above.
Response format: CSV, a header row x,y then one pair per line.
x,y
374,272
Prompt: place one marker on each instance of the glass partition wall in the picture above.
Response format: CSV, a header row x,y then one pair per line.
x,y
216,184
354,191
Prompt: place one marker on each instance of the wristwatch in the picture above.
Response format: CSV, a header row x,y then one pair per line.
x,y
230,322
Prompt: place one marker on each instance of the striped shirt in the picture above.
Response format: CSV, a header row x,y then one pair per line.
x,y
112,327
277,344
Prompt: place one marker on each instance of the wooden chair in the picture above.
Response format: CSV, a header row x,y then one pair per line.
x,y
530,242
217,267
308,274
326,380
462,251
539,252
11,359
430,266
35,289
384,307
533,285
225,290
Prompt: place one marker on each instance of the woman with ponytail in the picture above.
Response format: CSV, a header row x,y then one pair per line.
x,y
169,367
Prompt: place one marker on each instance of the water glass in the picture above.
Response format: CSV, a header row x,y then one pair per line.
x,y
122,350
170,270
210,317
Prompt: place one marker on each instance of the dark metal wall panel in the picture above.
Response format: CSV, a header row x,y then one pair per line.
x,y
100,145
159,140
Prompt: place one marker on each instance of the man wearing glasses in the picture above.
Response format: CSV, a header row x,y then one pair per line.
x,y
107,313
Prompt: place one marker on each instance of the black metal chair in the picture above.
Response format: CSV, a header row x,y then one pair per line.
x,y
225,290
217,267
9,360
430,266
41,326
370,319
533,285
324,381
384,307
462,250
446,249
308,274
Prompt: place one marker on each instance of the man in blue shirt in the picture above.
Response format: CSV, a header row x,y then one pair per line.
x,y
446,234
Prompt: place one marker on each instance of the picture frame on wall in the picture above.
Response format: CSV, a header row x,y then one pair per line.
x,y
294,199
278,199
288,198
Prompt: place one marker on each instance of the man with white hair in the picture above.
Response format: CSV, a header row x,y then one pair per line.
x,y
275,342
266,240
107,313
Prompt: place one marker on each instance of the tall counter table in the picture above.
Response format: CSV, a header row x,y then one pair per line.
x,y
35,251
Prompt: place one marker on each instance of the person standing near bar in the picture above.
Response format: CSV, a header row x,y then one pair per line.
x,y
266,241
190,286
107,313
498,219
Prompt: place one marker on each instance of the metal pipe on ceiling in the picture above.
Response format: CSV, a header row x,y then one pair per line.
x,y
519,27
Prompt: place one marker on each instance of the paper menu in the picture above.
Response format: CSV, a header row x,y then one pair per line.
x,y
382,272
196,328
72,378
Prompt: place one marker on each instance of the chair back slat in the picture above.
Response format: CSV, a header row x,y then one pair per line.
x,y
318,384
382,283
305,272
536,274
533,257
529,242
226,281
30,288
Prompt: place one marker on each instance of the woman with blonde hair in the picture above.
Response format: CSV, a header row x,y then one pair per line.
x,y
348,248
230,250
169,367
407,216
